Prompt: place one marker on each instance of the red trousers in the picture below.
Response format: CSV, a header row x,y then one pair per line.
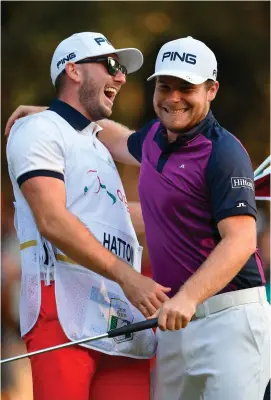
x,y
76,373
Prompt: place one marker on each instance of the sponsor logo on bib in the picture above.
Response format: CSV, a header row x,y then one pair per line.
x,y
116,197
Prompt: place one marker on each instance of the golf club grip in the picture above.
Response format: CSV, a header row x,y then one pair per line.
x,y
138,326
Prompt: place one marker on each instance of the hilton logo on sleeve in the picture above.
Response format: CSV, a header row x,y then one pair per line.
x,y
237,183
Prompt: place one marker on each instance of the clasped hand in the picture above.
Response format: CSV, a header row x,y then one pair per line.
x,y
176,312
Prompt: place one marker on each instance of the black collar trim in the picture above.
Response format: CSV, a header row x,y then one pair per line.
x,y
77,120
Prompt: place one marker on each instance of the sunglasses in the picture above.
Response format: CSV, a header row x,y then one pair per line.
x,y
112,65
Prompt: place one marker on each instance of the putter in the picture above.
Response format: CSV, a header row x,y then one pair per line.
x,y
138,326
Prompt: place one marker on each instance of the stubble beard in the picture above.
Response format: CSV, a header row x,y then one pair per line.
x,y
89,99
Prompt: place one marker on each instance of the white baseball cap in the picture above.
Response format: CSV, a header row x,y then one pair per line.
x,y
91,44
188,59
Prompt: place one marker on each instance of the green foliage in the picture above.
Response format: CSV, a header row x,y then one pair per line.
x,y
238,33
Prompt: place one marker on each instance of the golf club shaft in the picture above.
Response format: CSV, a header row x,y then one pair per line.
x,y
60,346
139,326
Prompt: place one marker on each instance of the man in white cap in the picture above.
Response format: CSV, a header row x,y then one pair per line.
x,y
79,252
197,195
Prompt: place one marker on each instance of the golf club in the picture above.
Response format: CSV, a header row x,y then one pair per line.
x,y
138,326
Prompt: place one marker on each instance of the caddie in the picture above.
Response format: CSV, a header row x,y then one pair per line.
x,y
79,252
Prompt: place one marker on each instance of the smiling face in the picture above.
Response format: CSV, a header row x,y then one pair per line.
x,y
98,89
181,105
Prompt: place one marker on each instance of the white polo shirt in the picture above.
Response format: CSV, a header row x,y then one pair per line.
x,y
61,143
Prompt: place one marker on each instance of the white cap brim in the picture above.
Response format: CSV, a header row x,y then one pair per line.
x,y
186,76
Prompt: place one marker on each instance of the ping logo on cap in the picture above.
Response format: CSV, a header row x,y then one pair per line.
x,y
100,40
185,57
65,59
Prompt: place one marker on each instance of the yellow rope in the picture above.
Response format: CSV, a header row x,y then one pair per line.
x,y
62,257
30,243
59,257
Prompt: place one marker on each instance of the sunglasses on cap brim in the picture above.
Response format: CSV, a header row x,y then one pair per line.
x,y
112,65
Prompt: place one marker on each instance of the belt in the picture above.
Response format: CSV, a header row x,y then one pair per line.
x,y
230,299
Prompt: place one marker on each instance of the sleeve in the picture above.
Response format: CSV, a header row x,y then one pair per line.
x,y
230,180
36,148
136,140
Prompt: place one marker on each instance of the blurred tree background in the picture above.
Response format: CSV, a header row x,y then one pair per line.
x,y
237,32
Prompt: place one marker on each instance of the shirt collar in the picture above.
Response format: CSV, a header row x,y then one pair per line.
x,y
185,137
202,127
77,120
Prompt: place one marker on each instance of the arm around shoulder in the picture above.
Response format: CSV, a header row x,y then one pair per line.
x,y
115,137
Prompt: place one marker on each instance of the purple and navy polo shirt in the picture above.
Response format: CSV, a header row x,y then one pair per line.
x,y
186,188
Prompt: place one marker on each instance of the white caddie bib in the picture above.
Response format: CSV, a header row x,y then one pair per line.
x,y
87,303
101,303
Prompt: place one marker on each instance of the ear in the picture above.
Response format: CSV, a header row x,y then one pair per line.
x,y
73,71
213,91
